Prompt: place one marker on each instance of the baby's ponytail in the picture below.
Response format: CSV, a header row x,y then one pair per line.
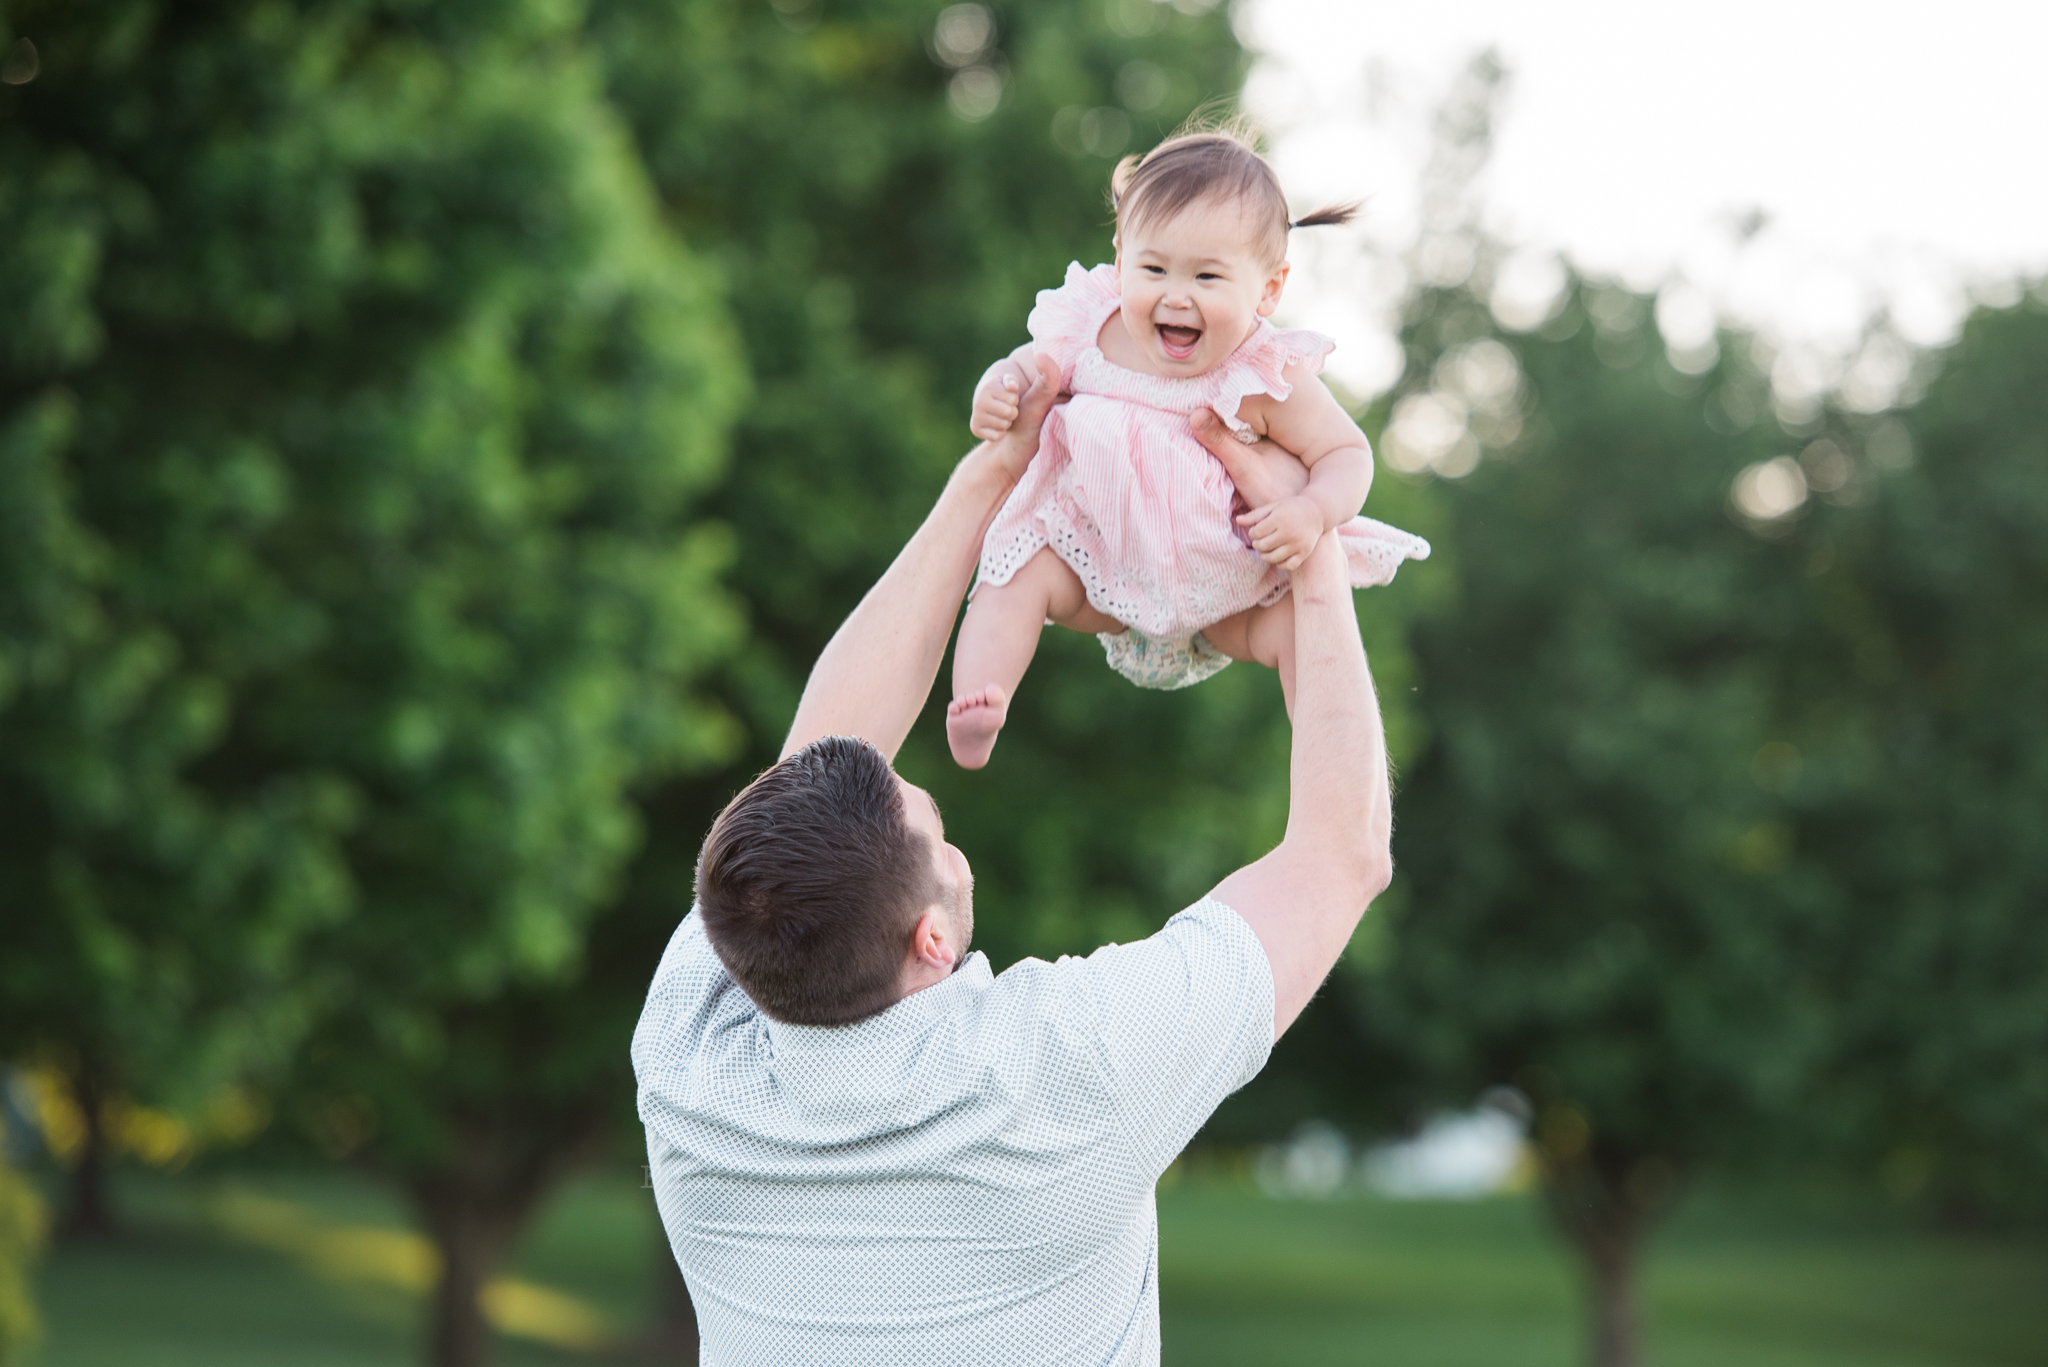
x,y
1329,216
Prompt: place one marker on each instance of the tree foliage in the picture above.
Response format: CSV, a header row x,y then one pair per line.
x,y
1722,844
350,581
1924,777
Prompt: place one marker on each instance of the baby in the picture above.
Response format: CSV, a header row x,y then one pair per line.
x,y
1124,525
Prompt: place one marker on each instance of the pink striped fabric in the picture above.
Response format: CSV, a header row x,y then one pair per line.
x,y
1126,496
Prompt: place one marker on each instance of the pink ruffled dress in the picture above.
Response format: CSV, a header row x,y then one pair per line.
x,y
1138,508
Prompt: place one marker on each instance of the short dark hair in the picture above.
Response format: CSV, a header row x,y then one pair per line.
x,y
811,882
1206,163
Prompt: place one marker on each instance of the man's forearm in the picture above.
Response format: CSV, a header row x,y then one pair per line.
x,y
1304,899
876,672
1339,807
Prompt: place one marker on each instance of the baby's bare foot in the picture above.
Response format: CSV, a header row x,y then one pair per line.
x,y
973,722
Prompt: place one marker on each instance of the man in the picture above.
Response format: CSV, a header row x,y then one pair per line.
x,y
867,1148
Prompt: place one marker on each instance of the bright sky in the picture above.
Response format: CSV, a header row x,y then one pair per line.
x,y
1899,150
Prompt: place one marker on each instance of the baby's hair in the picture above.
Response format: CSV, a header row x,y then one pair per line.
x,y
1213,162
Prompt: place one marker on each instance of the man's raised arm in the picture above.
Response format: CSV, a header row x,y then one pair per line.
x,y
1305,898
875,673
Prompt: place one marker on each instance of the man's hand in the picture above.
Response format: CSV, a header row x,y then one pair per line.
x,y
1014,447
1285,532
1264,471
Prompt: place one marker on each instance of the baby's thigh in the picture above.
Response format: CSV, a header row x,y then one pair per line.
x,y
1261,635
1051,580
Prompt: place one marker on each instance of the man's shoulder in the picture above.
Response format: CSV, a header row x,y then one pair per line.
x,y
1166,1026
1100,992
690,996
1208,927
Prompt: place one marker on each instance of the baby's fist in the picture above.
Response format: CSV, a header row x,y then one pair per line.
x,y
1285,532
995,406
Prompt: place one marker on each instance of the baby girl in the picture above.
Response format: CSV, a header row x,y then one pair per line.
x,y
1124,525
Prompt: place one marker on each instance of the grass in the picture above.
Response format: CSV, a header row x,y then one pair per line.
x,y
1778,1282
1764,1284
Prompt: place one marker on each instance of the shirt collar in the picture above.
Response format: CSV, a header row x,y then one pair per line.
x,y
914,1014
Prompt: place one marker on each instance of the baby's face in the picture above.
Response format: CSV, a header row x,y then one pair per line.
x,y
1194,286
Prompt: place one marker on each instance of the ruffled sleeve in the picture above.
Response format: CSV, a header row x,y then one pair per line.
x,y
1069,319
1260,367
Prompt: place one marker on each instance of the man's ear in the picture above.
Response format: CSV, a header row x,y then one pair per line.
x,y
1269,299
931,940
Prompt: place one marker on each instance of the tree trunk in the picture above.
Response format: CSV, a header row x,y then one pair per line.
x,y
1604,1203
1616,1341
472,1241
87,1212
474,1205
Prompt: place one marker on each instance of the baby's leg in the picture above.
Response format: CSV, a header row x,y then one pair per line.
x,y
1264,636
997,641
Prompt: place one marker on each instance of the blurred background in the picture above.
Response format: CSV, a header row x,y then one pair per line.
x,y
436,437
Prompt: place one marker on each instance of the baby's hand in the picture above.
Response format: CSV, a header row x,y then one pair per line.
x,y
1286,531
995,403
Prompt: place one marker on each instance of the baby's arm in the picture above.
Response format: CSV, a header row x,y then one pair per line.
x,y
995,398
1312,423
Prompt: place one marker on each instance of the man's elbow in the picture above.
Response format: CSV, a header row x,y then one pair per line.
x,y
1360,871
1365,873
1375,871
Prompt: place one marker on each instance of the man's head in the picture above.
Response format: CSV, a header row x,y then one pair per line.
x,y
828,890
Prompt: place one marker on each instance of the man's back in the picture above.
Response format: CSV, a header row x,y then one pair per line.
x,y
966,1177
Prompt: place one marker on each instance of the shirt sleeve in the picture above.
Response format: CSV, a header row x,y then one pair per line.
x,y
691,999
1180,1021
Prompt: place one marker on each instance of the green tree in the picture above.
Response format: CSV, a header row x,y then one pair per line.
x,y
1604,907
352,577
1925,772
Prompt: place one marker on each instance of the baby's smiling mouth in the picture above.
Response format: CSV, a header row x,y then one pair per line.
x,y
1179,342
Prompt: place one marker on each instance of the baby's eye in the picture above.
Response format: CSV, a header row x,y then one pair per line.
x,y
1153,270
1208,275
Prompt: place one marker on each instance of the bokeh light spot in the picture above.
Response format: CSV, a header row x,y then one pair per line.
x,y
1528,289
962,34
22,63
1770,490
1141,85
975,92
1427,432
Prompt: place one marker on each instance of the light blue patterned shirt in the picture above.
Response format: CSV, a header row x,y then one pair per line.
x,y
966,1177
